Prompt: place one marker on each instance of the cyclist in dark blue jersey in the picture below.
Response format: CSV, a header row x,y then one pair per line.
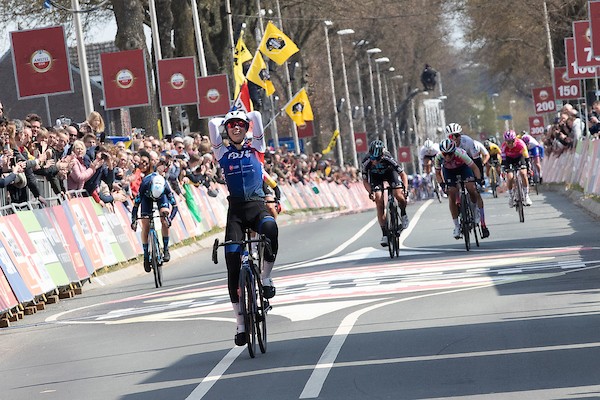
x,y
243,172
153,189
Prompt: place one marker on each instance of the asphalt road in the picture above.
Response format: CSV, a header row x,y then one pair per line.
x,y
516,318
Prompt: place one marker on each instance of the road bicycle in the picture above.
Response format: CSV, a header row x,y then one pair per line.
x,y
433,183
156,254
494,178
534,178
253,305
393,223
466,215
518,191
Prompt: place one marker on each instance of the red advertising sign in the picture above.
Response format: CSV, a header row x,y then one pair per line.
x,y
124,77
565,88
306,131
594,15
41,62
360,140
177,81
543,99
404,154
213,96
573,70
536,125
583,45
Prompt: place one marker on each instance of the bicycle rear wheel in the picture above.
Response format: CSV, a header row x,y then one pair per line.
x,y
494,181
465,223
519,206
247,307
261,321
392,223
154,260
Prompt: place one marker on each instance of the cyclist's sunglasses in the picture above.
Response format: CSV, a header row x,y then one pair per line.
x,y
237,122
447,154
456,135
374,157
510,141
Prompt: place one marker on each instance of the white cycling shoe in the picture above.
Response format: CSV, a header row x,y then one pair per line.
x,y
404,220
383,242
528,201
511,201
456,232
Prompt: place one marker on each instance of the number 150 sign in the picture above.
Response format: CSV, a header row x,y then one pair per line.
x,y
565,88
543,100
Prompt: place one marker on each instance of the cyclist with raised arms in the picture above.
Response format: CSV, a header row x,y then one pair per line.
x,y
536,152
378,167
514,152
244,178
153,189
449,163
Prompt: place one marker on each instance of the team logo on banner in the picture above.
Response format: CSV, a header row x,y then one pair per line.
x,y
213,95
404,154
41,61
124,79
177,81
360,141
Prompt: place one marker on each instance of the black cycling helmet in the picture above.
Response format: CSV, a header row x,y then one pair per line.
x,y
376,149
492,139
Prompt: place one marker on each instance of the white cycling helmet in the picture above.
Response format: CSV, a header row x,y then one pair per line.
x,y
157,187
453,129
236,114
428,144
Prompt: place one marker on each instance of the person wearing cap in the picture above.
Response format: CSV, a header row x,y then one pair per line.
x,y
244,178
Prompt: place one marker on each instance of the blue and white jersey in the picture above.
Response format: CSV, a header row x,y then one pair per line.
x,y
242,168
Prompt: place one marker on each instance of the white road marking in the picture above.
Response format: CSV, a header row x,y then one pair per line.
x,y
216,373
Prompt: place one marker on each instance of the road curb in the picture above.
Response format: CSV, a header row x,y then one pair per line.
x,y
583,201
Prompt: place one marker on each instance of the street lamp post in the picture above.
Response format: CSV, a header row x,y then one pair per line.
x,y
389,113
347,91
512,117
494,95
361,103
340,150
374,106
377,62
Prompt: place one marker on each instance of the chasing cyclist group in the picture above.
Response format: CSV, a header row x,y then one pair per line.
x,y
456,158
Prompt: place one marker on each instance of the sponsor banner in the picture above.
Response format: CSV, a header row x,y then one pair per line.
x,y
11,274
124,79
126,250
583,45
213,96
29,258
7,297
573,70
404,154
360,139
41,62
177,81
62,229
594,16
565,88
93,212
84,235
124,216
536,126
543,99
108,231
54,242
306,130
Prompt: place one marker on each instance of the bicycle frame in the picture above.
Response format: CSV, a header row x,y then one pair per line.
x,y
393,225
518,191
156,256
465,215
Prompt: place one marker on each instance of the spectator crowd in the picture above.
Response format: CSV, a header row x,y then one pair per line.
x,y
569,127
68,157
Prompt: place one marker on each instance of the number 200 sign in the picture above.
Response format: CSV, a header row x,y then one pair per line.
x,y
565,88
543,100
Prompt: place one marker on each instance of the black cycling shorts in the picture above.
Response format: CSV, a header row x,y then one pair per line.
x,y
390,176
517,163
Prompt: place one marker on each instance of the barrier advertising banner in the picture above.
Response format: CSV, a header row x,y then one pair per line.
x,y
177,81
11,274
213,96
83,235
565,88
124,78
7,297
41,62
63,231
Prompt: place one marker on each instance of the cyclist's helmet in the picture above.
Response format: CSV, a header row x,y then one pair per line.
x,y
376,149
236,115
486,143
510,135
447,146
492,139
428,144
157,187
525,138
453,129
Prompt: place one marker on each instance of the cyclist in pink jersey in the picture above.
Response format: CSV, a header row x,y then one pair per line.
x,y
514,152
449,164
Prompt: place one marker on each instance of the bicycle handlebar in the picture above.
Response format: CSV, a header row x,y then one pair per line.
x,y
263,239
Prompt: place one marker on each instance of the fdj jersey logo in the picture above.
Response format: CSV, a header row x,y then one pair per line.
x,y
177,81
125,79
41,61
242,154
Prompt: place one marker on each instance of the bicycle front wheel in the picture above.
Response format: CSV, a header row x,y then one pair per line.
x,y
465,223
392,223
494,181
520,199
154,260
247,308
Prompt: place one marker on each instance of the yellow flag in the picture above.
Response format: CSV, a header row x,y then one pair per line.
x,y
258,73
299,108
331,144
276,45
240,56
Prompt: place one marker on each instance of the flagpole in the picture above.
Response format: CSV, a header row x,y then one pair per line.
x,y
289,86
273,119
